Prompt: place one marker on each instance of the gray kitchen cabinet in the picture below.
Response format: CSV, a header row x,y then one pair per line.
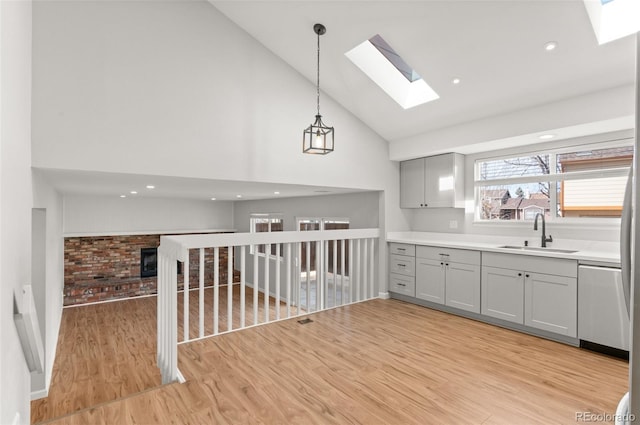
x,y
535,291
402,269
448,276
432,182
430,280
503,294
551,303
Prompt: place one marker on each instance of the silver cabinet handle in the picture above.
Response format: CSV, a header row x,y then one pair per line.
x,y
401,265
402,284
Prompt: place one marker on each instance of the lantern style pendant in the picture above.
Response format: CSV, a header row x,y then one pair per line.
x,y
318,137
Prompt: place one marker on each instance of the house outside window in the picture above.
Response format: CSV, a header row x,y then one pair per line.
x,y
572,182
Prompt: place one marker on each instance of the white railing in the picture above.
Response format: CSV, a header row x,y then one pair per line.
x,y
291,280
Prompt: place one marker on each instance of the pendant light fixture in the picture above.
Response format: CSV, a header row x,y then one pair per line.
x,y
318,138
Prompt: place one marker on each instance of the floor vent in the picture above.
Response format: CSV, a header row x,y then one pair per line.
x,y
305,321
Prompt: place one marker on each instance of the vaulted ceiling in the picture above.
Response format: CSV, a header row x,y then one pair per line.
x,y
495,47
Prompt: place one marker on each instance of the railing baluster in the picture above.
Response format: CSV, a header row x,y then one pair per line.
x,y
267,253
243,265
365,269
320,247
201,296
216,290
351,260
371,270
185,303
277,265
173,319
342,273
335,273
357,269
308,277
298,276
161,313
288,271
256,284
230,288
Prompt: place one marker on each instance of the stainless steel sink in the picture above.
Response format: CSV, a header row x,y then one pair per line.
x,y
533,248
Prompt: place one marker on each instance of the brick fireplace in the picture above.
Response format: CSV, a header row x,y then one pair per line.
x,y
102,268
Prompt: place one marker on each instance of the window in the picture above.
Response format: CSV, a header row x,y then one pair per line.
x,y
266,223
322,223
582,181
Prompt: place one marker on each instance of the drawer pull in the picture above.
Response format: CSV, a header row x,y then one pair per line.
x,y
401,265
444,255
402,284
401,249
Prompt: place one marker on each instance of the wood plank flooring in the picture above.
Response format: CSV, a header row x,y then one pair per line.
x,y
377,362
108,351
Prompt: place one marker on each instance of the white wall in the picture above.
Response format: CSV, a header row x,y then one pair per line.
x,y
184,87
437,219
361,209
50,201
15,201
577,116
105,215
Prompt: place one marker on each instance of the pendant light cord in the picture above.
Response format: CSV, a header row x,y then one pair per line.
x,y
318,77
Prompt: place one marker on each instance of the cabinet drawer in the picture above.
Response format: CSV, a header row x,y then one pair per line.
x,y
453,255
402,284
402,249
530,263
402,264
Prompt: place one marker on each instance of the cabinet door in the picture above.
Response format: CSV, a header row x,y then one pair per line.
x,y
502,294
439,181
412,183
430,280
551,303
463,286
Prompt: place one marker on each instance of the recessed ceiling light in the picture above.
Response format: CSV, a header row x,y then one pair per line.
x,y
276,193
133,192
455,81
123,196
238,196
546,136
213,199
150,186
550,46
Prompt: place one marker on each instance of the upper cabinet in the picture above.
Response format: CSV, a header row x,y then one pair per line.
x,y
432,182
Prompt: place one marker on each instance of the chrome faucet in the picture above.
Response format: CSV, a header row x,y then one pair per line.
x,y
544,237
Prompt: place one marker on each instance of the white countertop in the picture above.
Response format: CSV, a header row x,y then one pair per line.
x,y
606,253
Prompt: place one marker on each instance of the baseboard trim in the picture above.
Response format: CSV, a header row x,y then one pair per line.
x,y
35,395
384,295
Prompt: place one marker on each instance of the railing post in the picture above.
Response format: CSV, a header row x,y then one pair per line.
x,y
230,288
185,320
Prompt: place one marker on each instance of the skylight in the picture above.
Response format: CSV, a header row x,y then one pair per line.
x,y
376,58
613,19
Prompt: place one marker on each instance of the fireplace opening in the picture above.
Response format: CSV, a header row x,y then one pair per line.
x,y
148,262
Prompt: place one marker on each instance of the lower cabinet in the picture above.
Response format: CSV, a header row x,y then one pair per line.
x,y
402,269
503,294
430,280
448,276
509,287
547,301
551,303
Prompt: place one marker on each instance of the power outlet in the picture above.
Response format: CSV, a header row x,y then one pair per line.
x,y
453,224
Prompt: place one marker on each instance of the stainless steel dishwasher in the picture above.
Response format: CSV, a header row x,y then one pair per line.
x,y
602,314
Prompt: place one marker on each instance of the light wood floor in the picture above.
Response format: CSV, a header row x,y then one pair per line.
x,y
108,351
377,362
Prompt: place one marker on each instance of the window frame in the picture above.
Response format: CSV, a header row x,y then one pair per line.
x,y
554,179
253,218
